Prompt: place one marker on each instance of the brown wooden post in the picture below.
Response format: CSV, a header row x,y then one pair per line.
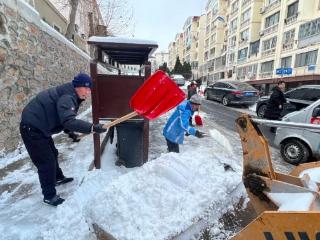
x,y
95,114
147,71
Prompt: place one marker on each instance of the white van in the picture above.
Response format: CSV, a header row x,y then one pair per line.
x,y
298,145
178,79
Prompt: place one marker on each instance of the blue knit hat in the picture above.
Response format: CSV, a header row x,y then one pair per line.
x,y
82,80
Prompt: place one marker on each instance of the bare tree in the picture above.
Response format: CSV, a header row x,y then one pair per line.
x,y
117,16
72,18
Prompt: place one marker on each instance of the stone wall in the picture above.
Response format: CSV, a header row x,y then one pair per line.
x,y
33,57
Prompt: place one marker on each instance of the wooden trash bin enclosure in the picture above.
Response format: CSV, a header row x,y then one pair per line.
x,y
111,94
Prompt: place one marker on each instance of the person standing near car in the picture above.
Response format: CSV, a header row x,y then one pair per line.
x,y
178,123
275,103
48,113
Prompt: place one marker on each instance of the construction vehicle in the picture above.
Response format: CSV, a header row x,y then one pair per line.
x,y
287,205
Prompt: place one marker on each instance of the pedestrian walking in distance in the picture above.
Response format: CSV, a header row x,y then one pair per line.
x,y
275,103
50,112
192,90
178,123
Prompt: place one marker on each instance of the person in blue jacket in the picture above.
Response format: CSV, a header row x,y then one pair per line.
x,y
49,112
178,123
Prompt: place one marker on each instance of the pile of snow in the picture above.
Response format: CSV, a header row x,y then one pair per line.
x,y
159,200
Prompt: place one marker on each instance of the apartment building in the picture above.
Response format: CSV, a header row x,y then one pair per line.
x,y
172,55
290,41
179,40
261,41
191,44
158,60
56,14
202,64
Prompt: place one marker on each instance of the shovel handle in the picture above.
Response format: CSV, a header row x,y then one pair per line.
x,y
119,120
115,122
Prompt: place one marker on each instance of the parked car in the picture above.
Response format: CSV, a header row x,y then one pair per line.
x,y
179,79
232,92
297,99
298,145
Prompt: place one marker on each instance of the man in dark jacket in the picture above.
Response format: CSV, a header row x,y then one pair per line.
x,y
48,113
275,103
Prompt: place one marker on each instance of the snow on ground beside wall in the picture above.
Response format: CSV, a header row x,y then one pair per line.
x,y
158,200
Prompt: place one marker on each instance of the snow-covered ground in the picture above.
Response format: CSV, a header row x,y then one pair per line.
x,y
159,200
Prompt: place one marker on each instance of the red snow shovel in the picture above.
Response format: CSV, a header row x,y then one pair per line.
x,y
155,97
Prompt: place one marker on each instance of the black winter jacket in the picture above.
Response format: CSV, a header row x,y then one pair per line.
x,y
54,110
275,104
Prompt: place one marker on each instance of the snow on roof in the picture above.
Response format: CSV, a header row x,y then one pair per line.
x,y
109,39
292,201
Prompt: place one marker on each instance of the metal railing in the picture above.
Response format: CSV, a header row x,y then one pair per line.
x,y
270,29
268,52
291,20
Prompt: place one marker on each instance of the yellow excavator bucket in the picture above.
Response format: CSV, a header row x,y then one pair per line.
x,y
287,205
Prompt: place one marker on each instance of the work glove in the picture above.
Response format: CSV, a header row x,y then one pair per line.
x,y
97,128
74,137
199,134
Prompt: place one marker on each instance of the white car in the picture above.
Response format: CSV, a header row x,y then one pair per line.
x,y
298,145
178,79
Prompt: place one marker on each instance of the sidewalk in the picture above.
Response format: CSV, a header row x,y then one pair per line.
x,y
158,200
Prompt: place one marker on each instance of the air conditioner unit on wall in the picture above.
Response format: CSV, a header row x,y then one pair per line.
x,y
262,10
261,33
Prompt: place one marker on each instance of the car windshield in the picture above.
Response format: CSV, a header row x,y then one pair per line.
x,y
243,86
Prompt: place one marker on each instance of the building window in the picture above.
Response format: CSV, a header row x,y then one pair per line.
x,y
242,54
286,62
245,16
267,67
233,25
272,20
56,28
269,44
306,59
233,41
288,36
309,29
244,35
234,7
254,48
293,9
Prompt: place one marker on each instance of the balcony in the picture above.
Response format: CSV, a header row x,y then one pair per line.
x,y
268,52
290,20
270,7
245,23
265,75
243,42
242,60
287,46
246,3
233,12
269,30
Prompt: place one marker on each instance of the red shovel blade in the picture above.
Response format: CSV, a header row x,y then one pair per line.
x,y
198,120
156,96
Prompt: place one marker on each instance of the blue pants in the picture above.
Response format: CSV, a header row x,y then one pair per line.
x,y
44,156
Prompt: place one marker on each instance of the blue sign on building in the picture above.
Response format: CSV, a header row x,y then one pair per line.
x,y
311,67
284,71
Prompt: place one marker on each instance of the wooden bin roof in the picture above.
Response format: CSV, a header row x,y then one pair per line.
x,y
125,50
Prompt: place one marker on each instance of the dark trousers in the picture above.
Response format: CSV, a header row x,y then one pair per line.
x,y
44,156
172,147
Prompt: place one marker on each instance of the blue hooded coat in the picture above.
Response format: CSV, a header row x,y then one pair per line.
x,y
178,123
